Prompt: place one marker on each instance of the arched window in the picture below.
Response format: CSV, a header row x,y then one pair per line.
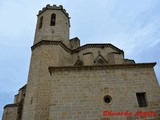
x,y
53,19
41,22
100,62
78,63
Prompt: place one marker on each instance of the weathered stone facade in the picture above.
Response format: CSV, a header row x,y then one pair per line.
x,y
14,111
67,81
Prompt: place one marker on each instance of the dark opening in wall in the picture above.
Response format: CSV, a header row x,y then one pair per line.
x,y
53,19
31,100
141,98
107,99
41,22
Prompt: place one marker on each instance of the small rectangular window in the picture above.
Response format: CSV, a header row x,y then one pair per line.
x,y
40,22
53,20
141,98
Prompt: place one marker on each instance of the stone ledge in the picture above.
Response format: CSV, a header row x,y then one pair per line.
x,y
97,67
48,42
14,105
10,105
24,87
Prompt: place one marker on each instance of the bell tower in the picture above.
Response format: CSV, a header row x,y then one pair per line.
x,y
52,24
53,27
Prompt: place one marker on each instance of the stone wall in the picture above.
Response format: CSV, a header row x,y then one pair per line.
x,y
14,111
10,112
77,93
38,86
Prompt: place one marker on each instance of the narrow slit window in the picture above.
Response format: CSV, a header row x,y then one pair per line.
x,y
141,98
53,19
40,22
31,100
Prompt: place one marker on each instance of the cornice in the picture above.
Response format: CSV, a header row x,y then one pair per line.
x,y
10,105
97,67
102,46
98,46
24,87
54,7
47,42
14,105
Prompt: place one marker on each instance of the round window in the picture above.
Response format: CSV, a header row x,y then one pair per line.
x,y
107,99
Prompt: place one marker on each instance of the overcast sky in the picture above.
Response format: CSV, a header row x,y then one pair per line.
x,y
131,25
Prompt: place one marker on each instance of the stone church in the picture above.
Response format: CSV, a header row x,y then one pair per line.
x,y
67,81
